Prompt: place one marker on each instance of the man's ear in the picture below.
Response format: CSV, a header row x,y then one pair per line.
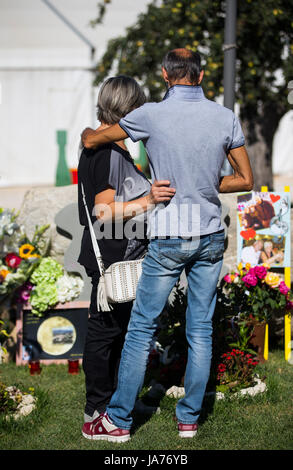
x,y
165,75
201,74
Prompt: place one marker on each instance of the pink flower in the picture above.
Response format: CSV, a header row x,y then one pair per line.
x,y
249,279
228,278
23,293
12,260
260,272
283,288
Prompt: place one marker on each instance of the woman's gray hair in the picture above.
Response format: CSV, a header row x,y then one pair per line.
x,y
117,97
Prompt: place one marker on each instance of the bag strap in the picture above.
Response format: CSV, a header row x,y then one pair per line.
x,y
93,236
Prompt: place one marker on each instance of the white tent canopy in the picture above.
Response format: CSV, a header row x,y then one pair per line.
x,y
46,82
283,146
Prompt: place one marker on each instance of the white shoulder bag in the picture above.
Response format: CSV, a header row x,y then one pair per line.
x,y
118,283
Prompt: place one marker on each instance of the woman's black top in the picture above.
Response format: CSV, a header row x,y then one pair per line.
x,y
110,166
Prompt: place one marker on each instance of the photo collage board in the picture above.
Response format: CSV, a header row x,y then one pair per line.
x,y
263,228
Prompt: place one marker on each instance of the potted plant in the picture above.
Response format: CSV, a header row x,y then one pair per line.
x,y
254,295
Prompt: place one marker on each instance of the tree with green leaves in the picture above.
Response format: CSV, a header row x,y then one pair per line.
x,y
264,60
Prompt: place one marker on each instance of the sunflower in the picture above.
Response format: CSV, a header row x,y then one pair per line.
x,y
25,251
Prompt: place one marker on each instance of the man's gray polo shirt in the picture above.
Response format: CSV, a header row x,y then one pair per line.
x,y
187,138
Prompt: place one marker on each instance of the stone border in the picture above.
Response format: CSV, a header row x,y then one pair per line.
x,y
259,387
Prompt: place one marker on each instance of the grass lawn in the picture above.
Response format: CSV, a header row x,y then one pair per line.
x,y
264,422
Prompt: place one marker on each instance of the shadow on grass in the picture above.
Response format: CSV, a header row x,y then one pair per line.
x,y
167,405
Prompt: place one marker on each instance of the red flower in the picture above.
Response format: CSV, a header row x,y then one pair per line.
x,y
12,260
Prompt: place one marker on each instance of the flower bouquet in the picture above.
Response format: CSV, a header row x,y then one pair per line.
x,y
251,298
255,293
19,256
27,273
51,285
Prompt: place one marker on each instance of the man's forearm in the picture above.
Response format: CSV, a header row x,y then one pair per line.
x,y
242,177
121,211
234,184
91,138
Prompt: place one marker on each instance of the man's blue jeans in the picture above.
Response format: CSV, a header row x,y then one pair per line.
x,y
202,259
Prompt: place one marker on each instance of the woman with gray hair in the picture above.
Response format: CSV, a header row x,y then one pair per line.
x,y
115,191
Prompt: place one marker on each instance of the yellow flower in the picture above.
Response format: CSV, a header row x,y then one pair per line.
x,y
247,266
139,43
275,12
250,64
266,265
3,273
240,266
272,279
25,251
181,31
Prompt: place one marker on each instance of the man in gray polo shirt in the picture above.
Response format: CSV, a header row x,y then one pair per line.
x,y
187,138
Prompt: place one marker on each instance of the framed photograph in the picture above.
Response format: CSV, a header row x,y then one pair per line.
x,y
263,228
54,338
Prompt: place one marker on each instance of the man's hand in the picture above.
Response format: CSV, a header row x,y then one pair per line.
x,y
87,132
160,192
92,139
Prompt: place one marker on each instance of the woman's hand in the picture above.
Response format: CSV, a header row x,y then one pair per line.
x,y
160,192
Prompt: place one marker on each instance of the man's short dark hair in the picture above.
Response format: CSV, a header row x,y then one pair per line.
x,y
181,63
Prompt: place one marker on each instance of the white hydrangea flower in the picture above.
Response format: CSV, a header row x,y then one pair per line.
x,y
68,287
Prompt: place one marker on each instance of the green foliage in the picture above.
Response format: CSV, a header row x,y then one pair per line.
x,y
264,46
243,337
3,336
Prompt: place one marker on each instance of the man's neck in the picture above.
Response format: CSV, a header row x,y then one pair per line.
x,y
183,81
